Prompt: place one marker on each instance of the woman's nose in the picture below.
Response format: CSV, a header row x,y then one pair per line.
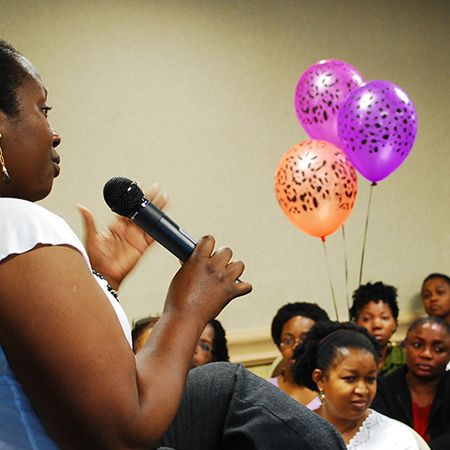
x,y
361,387
426,352
56,138
376,323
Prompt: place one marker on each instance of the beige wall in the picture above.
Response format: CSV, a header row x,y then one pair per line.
x,y
198,95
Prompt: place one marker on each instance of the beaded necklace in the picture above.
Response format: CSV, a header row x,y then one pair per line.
x,y
114,293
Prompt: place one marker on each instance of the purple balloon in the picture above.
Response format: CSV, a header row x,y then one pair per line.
x,y
318,96
377,127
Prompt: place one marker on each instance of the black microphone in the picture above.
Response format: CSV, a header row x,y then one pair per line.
x,y
126,198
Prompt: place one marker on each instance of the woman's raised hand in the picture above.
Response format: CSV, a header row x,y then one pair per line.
x,y
114,252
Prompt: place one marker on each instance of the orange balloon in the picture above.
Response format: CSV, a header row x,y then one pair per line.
x,y
316,187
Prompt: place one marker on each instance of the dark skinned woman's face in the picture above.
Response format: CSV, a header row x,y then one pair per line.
x,y
28,143
428,350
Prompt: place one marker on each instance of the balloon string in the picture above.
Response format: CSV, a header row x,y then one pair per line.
x,y
329,276
346,268
365,233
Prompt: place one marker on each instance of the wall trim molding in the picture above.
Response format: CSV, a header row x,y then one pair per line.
x,y
252,348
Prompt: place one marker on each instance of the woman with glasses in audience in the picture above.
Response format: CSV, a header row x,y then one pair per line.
x,y
212,345
289,327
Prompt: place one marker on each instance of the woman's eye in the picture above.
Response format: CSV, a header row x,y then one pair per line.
x,y
416,344
46,110
349,379
439,349
371,380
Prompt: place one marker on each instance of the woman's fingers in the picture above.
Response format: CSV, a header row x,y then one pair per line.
x,y
157,196
221,261
90,229
204,247
236,269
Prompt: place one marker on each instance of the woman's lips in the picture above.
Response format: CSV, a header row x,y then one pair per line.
x,y
56,160
424,367
57,168
434,308
360,404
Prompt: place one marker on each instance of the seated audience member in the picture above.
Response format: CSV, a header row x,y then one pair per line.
x,y
212,345
375,308
418,393
141,331
289,327
436,295
340,361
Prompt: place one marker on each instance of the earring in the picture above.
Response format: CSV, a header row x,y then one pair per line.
x,y
321,397
6,176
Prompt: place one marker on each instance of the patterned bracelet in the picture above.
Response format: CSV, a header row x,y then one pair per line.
x,y
114,293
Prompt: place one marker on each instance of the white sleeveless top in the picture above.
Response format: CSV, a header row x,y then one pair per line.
x,y
23,225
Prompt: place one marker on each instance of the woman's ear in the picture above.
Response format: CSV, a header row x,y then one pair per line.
x,y
317,377
396,325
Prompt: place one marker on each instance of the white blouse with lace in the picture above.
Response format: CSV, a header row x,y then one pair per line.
x,y
380,432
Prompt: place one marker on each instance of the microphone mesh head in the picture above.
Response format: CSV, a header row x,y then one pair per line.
x,y
123,196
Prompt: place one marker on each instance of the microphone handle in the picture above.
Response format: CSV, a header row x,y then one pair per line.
x,y
165,231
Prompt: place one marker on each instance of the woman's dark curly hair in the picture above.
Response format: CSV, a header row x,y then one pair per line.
x,y
13,74
287,312
220,349
375,292
308,358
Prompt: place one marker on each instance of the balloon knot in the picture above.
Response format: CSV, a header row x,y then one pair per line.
x,y
323,238
374,184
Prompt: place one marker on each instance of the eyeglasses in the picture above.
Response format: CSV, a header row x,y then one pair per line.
x,y
204,347
289,342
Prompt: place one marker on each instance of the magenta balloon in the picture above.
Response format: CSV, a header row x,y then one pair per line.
x,y
377,127
320,92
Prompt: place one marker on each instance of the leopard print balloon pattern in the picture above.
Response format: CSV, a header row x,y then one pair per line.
x,y
316,186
